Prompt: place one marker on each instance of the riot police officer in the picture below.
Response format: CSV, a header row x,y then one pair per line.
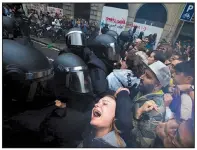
x,y
112,33
76,43
105,29
105,48
8,27
72,81
24,23
123,38
23,69
17,25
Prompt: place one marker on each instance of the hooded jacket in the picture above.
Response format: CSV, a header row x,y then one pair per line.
x,y
107,141
121,78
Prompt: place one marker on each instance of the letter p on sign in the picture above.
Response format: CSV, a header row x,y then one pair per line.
x,y
190,7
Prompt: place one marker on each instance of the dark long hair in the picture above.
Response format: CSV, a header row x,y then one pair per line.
x,y
154,37
135,63
141,35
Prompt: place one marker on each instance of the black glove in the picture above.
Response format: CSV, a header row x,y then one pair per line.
x,y
87,54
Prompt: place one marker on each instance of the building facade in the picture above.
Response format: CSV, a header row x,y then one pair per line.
x,y
163,15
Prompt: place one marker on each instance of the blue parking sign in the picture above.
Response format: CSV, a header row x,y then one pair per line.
x,y
188,12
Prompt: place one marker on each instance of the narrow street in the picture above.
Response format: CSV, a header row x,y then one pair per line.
x,y
51,53
48,48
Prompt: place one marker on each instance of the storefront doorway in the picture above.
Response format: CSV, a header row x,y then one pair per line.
x,y
82,10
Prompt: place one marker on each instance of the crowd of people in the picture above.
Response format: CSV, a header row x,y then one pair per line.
x,y
66,21
152,104
47,18
9,10
149,101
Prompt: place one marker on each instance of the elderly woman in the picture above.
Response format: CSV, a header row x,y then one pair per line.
x,y
104,133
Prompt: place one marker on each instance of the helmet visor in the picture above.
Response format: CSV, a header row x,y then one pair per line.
x,y
75,39
80,82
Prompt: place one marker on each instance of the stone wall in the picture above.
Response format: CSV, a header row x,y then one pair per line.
x,y
173,13
96,12
36,6
68,9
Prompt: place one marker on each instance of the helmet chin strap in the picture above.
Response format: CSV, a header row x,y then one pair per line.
x,y
32,91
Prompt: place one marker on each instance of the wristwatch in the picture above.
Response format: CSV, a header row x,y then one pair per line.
x,y
192,87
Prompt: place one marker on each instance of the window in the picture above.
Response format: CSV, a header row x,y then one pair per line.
x,y
152,14
82,10
188,29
